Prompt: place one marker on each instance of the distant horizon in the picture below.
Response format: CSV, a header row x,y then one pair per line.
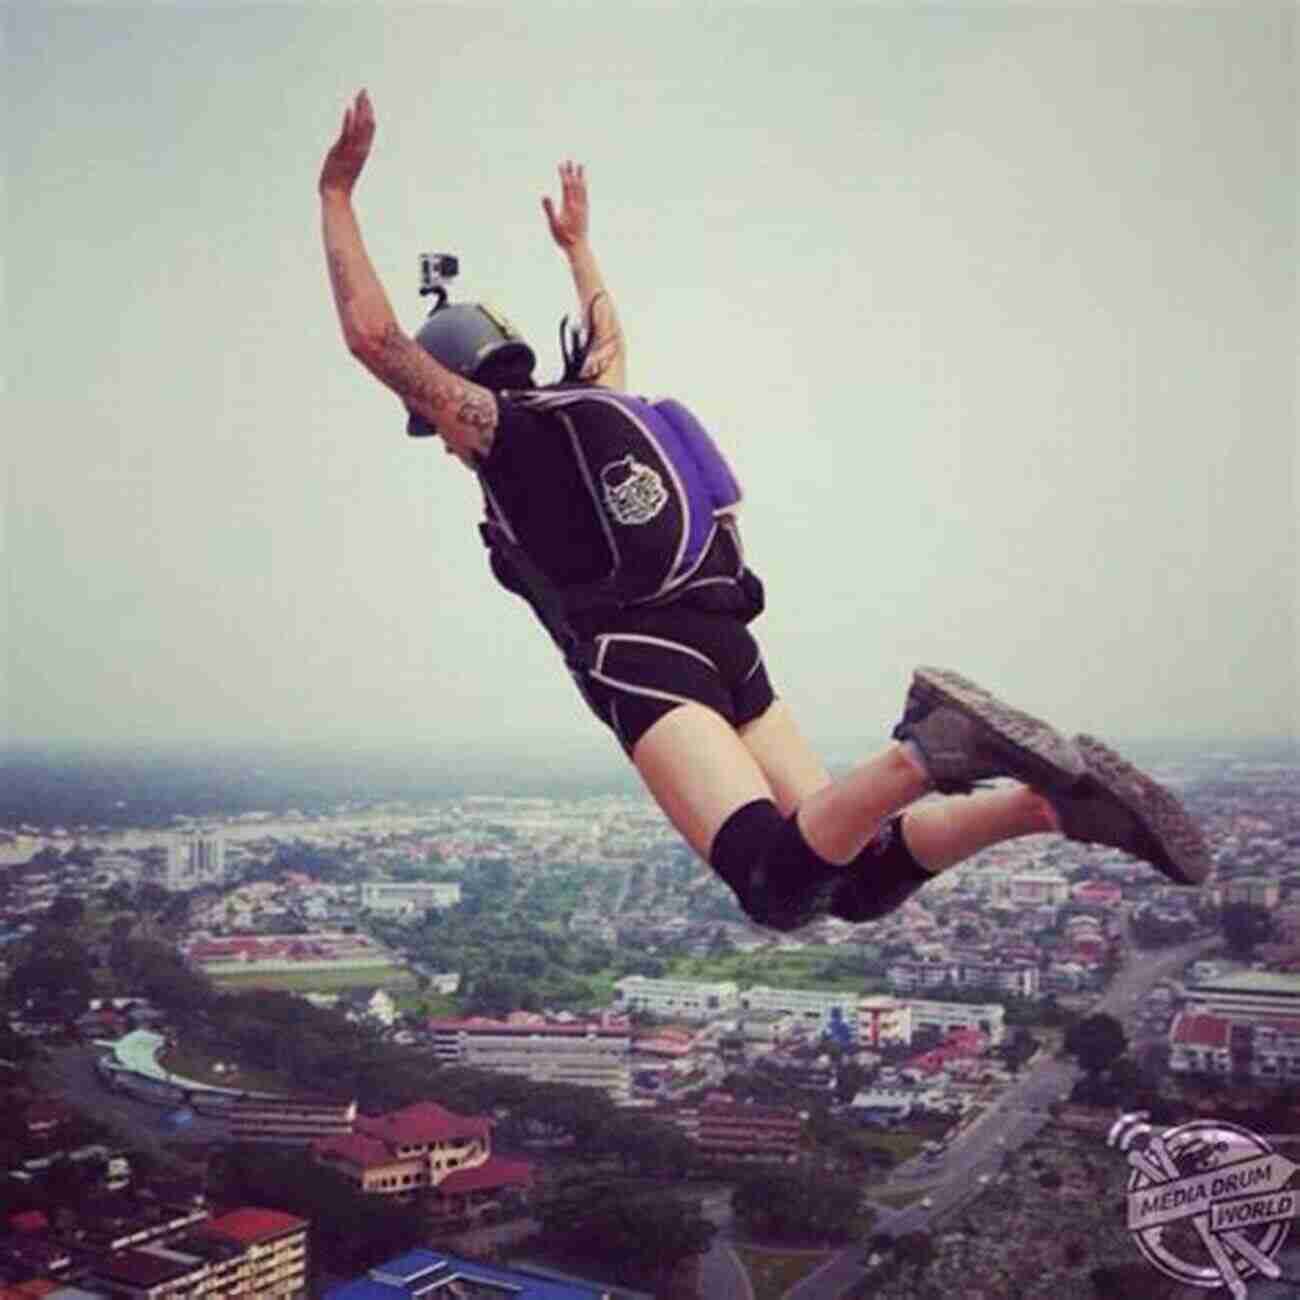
x,y
109,789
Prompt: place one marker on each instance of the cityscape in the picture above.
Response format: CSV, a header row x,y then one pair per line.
x,y
527,1045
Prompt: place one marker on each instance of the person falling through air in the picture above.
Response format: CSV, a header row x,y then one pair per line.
x,y
615,518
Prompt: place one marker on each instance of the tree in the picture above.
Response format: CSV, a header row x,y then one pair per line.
x,y
1244,926
66,911
798,1204
649,1232
56,972
1096,1042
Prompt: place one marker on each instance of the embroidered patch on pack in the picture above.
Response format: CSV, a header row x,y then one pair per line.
x,y
634,493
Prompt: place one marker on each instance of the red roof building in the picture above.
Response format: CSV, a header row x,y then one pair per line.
x,y
254,1227
425,1147
275,1249
1200,1043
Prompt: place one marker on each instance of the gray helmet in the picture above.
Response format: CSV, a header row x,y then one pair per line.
x,y
475,341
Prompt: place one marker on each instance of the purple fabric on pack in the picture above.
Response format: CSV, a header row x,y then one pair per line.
x,y
708,481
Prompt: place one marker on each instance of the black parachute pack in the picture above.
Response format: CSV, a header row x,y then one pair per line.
x,y
666,500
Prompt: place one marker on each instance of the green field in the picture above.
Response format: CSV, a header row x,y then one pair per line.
x,y
772,1273
197,1065
820,967
392,978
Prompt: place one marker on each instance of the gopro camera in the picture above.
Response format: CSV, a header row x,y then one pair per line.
x,y
436,269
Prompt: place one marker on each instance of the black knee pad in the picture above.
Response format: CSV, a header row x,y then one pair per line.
x,y
882,877
780,882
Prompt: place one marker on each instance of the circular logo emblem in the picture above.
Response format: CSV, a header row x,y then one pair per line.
x,y
634,493
1209,1203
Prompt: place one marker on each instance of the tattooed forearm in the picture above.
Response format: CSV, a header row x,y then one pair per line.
x,y
343,288
463,412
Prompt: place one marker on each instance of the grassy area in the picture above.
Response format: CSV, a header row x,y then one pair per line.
x,y
901,1145
197,1065
392,978
439,1006
805,968
773,1273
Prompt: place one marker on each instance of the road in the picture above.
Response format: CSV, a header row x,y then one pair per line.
x,y
70,1074
1012,1120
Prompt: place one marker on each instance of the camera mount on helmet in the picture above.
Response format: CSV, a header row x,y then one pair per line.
x,y
436,269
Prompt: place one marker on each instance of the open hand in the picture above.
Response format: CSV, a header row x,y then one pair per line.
x,y
348,154
569,226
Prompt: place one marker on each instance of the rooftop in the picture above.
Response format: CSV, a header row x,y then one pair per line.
x,y
250,1225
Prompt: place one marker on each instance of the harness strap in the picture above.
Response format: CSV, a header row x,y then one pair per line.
x,y
547,600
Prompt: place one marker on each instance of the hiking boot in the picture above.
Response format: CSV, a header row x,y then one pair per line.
x,y
1121,807
965,735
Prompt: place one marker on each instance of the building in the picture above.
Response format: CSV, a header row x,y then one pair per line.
x,y
425,1146
812,1008
729,1131
676,999
1200,1044
1017,978
275,1247
288,1120
882,1020
1105,894
1031,888
409,898
424,1272
1261,891
588,1054
193,861
248,1251
1247,995
882,1105
1266,1050
1275,1050
945,1017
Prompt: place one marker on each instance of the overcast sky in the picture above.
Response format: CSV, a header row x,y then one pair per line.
x,y
993,308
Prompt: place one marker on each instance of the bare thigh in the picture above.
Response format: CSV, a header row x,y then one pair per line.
x,y
788,762
699,771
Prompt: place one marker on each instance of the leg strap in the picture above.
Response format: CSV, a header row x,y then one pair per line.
x,y
881,878
764,858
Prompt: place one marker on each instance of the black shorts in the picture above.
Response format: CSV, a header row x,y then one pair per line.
x,y
648,662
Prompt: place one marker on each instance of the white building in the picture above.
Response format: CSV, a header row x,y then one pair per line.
x,y
679,999
1035,887
1247,996
589,1055
193,861
408,898
989,1018
812,1008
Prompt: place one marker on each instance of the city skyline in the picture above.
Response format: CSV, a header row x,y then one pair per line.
x,y
992,308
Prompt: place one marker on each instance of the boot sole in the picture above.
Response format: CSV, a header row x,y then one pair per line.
x,y
1161,813
1038,754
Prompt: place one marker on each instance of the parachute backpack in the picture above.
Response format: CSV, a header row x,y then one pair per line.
x,y
662,491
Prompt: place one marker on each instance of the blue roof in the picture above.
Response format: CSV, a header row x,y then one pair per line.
x,y
425,1273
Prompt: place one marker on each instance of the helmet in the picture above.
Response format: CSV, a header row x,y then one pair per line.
x,y
475,341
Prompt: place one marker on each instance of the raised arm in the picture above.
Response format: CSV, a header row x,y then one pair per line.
x,y
464,413
607,361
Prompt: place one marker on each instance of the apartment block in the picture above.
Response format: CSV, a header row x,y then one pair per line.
x,y
587,1054
676,999
812,1008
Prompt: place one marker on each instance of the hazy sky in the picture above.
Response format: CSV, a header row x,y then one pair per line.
x,y
994,309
